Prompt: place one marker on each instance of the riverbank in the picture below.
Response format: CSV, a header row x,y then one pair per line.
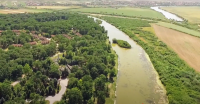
x,y
167,14
171,69
113,85
136,80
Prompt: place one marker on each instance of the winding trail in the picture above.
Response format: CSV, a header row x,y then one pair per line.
x,y
58,97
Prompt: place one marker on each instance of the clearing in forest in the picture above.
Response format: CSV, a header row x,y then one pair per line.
x,y
186,46
138,12
191,13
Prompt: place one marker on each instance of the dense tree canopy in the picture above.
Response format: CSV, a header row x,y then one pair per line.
x,y
85,57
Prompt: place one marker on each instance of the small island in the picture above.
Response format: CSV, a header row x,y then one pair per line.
x,y
122,43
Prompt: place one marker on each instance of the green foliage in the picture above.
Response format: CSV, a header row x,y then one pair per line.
x,y
123,11
85,58
181,81
74,96
122,43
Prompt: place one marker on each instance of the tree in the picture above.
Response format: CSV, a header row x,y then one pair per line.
x,y
37,99
101,98
5,91
73,82
87,90
61,47
74,96
54,72
27,70
112,74
90,101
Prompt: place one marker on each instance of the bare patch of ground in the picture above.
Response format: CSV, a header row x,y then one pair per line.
x,y
186,46
141,38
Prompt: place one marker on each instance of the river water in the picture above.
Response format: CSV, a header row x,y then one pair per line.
x,y
167,14
137,81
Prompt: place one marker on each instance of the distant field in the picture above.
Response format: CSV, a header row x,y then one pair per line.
x,y
186,46
139,12
7,11
54,7
179,28
192,14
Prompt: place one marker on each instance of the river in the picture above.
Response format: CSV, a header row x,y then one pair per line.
x,y
137,81
167,14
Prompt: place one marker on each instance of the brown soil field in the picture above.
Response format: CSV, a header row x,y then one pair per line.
x,y
186,46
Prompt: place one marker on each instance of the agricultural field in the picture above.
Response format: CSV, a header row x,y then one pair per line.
x,y
138,12
179,28
13,11
186,46
192,14
54,7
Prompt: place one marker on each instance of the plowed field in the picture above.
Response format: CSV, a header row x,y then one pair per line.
x,y
186,46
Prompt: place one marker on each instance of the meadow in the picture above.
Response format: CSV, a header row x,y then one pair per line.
x,y
54,7
179,28
137,12
13,11
192,14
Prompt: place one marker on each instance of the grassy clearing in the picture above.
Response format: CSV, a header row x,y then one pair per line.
x,y
179,28
138,12
191,13
54,7
47,102
7,11
150,29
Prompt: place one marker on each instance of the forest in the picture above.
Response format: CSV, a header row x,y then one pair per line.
x,y
82,45
122,43
181,81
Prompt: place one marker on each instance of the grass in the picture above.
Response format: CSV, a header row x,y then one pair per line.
x,y
150,29
191,13
138,12
7,11
47,102
179,28
54,7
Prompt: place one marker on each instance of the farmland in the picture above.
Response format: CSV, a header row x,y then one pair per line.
x,y
138,12
183,44
180,28
192,14
7,11
53,7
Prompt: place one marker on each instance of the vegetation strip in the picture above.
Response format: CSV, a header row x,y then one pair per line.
x,y
181,82
180,28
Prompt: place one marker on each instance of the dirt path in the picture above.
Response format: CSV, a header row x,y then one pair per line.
x,y
16,82
186,46
57,97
